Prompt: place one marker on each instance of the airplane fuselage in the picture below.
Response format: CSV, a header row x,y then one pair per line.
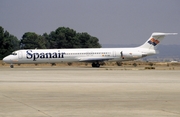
x,y
76,55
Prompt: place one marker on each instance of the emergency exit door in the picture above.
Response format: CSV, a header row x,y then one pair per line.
x,y
20,54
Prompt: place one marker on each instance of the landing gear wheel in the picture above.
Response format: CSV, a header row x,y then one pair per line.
x,y
98,65
95,64
11,66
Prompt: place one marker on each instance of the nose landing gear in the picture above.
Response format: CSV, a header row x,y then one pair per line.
x,y
11,66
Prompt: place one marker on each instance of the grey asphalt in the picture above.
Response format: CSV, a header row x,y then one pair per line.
x,y
88,92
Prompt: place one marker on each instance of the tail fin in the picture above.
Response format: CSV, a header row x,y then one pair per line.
x,y
154,40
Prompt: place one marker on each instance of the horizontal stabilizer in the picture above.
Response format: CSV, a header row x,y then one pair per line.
x,y
163,34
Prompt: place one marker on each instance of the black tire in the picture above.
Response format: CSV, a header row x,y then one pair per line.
x,y
95,65
11,66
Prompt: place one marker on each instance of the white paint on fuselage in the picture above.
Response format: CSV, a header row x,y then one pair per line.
x,y
73,55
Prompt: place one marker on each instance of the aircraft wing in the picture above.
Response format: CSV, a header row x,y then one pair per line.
x,y
92,59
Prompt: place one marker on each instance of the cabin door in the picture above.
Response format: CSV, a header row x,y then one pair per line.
x,y
114,53
20,54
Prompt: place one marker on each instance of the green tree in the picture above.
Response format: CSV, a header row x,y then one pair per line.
x,y
46,37
64,37
93,42
83,38
31,40
88,41
8,43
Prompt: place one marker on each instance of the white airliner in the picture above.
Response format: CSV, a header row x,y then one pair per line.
x,y
93,55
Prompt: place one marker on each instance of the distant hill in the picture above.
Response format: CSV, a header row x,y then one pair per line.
x,y
166,52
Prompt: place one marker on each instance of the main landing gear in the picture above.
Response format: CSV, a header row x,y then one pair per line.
x,y
95,64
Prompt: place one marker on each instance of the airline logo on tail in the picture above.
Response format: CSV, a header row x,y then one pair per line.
x,y
153,41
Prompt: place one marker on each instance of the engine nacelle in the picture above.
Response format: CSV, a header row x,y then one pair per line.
x,y
131,55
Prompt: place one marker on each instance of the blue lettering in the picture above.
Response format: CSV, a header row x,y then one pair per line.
x,y
48,55
41,55
29,55
35,56
62,54
54,55
59,55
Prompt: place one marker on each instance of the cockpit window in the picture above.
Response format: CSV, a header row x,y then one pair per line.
x,y
14,53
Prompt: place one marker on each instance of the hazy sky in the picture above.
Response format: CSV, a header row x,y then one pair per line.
x,y
111,21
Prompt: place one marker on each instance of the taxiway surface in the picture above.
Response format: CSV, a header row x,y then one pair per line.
x,y
88,92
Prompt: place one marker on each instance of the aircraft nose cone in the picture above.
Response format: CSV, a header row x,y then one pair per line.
x,y
6,59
